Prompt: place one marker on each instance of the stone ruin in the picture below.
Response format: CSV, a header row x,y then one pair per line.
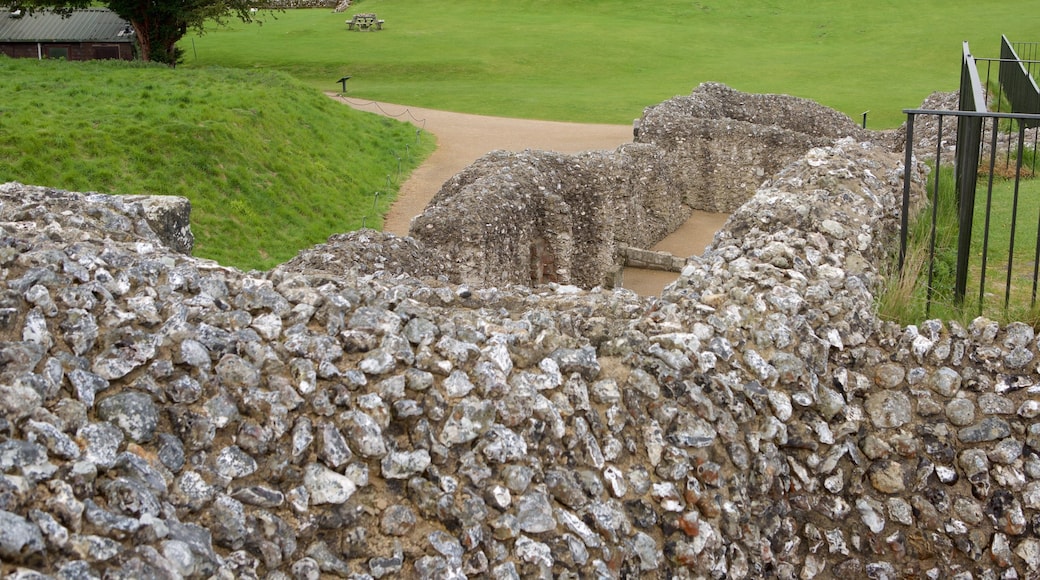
x,y
536,217
342,416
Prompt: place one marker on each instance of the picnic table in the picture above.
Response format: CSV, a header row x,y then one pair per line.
x,y
366,21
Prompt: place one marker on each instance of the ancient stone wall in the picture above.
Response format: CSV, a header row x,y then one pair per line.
x,y
535,217
166,417
724,143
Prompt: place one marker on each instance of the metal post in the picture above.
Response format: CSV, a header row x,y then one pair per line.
x,y
865,119
904,224
1014,212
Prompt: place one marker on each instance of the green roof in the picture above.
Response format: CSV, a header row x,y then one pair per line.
x,y
89,25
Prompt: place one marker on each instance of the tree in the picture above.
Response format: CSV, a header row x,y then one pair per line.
x,y
159,24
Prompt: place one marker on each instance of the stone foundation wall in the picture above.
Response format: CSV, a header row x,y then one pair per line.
x,y
536,216
532,217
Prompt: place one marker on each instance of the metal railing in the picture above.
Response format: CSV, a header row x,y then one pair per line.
x,y
1018,69
974,122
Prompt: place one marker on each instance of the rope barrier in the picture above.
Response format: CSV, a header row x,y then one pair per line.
x,y
407,111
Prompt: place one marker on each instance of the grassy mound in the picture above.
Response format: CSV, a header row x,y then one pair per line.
x,y
270,165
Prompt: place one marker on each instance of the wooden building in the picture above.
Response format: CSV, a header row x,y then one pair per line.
x,y
93,33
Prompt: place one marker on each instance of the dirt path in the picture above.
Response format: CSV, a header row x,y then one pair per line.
x,y
463,138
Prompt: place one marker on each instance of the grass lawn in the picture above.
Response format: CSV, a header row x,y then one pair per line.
x,y
270,165
1012,223
606,60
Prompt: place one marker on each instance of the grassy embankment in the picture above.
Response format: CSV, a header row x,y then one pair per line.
x,y
270,165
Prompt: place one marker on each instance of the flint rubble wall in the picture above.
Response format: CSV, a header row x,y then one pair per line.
x,y
534,217
164,416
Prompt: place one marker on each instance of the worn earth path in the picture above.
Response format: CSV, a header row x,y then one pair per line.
x,y
463,138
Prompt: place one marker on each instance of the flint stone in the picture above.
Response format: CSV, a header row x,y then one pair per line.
x,y
190,490
887,477
377,362
94,548
57,442
87,385
364,434
233,462
535,513
888,409
102,443
259,495
534,552
582,361
81,330
960,412
235,372
129,353
646,549
692,431
183,389
468,420
457,384
989,429
327,486
1018,358
446,544
133,412
194,354
19,538
870,511
993,404
501,445
397,520
1029,551
404,464
945,382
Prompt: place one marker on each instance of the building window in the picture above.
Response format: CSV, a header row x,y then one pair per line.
x,y
58,52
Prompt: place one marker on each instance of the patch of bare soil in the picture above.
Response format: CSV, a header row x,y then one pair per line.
x,y
463,138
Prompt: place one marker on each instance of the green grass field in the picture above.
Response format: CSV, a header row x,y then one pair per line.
x,y
606,60
270,166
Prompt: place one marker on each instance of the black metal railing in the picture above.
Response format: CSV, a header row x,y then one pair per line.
x,y
1016,79
982,135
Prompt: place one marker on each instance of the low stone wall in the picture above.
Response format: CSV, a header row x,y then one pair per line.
x,y
650,260
724,143
536,217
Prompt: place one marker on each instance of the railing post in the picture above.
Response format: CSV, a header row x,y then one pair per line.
x,y
969,137
904,219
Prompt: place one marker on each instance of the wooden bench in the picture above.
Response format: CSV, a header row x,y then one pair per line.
x,y
365,22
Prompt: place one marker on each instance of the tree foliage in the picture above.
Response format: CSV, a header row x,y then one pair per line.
x,y
159,24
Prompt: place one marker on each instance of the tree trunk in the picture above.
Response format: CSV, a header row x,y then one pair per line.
x,y
144,45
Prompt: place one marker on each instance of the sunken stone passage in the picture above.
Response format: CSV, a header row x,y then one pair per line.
x,y
166,417
535,217
724,143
